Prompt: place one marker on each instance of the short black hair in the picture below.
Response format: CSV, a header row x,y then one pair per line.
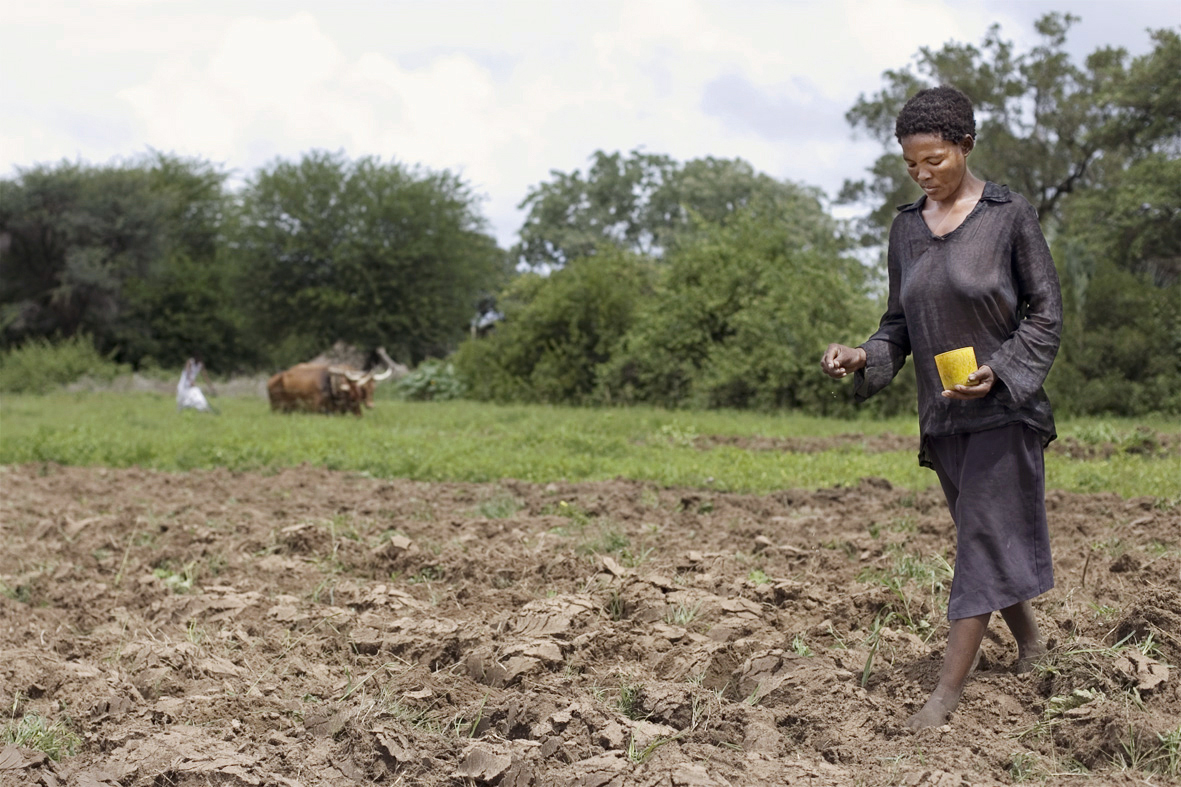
x,y
941,110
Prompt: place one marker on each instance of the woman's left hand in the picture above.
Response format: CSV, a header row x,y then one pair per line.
x,y
979,384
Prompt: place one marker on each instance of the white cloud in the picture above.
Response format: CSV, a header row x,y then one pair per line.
x,y
500,92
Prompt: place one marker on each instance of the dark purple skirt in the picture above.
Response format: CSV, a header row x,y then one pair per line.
x,y
995,484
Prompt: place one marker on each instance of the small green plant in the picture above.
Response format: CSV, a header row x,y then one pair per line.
x,y
178,580
682,614
1168,761
1103,611
427,574
629,700
799,646
499,507
1022,766
33,732
20,593
609,540
432,381
757,577
616,609
637,755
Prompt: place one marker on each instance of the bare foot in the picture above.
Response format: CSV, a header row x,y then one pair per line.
x,y
1028,656
934,714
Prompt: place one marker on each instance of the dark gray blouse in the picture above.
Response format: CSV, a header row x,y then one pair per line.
x,y
990,283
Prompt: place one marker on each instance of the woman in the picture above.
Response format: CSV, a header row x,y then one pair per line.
x,y
969,267
187,392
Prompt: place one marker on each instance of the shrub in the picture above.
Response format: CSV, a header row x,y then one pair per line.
x,y
39,365
431,381
557,331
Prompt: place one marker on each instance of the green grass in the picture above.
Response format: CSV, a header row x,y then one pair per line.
x,y
466,441
34,732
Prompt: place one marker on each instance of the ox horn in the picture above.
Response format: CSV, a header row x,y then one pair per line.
x,y
354,376
384,375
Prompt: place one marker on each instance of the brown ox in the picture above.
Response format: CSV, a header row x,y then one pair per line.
x,y
322,388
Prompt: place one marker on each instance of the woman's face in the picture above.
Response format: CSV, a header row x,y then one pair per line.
x,y
938,166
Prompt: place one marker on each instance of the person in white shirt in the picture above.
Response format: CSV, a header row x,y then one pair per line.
x,y
187,392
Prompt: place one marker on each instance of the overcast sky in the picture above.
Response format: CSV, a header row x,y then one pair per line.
x,y
500,91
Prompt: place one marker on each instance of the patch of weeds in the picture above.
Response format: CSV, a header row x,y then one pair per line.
x,y
933,574
649,498
841,644
904,524
848,547
1023,767
33,732
216,563
572,511
629,700
427,574
1158,548
757,577
799,646
684,437
470,728
501,506
638,755
326,589
177,579
616,608
610,540
873,641
194,633
1103,611
21,593
682,614
875,530
1113,546
1168,758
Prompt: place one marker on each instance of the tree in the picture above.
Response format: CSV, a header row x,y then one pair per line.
x,y
369,252
1047,127
558,330
101,250
741,315
644,202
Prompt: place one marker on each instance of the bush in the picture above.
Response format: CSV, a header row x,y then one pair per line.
x,y
431,381
39,365
740,320
557,331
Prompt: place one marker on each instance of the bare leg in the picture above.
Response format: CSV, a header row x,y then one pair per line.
x,y
963,646
1022,623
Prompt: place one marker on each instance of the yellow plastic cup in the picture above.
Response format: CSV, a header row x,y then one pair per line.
x,y
955,366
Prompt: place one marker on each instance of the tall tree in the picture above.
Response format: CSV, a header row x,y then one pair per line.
x,y
1048,127
85,249
369,252
741,312
645,203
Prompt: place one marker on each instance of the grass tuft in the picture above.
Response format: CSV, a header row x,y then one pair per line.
x,y
34,732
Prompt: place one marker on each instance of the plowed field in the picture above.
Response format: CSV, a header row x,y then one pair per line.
x,y
315,628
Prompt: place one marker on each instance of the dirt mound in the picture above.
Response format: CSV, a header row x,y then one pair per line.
x,y
316,628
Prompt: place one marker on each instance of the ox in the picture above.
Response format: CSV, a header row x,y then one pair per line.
x,y
323,388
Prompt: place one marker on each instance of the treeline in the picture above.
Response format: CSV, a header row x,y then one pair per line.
x,y
156,258
643,279
706,284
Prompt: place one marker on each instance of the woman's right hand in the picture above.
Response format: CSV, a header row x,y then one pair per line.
x,y
839,360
